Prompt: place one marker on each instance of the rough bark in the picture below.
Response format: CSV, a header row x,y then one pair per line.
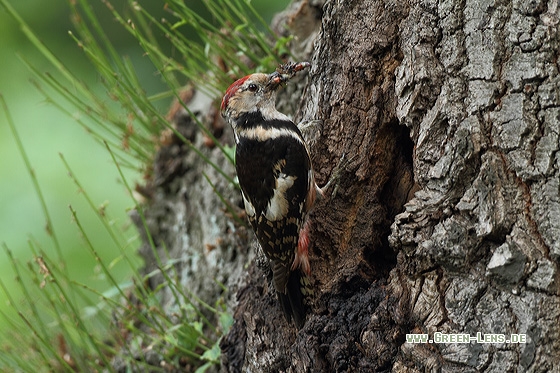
x,y
478,245
447,218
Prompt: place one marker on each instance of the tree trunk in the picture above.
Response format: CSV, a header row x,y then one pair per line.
x,y
447,218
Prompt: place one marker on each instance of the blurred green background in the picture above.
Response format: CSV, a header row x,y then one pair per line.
x,y
46,131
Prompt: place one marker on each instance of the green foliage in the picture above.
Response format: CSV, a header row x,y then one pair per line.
x,y
66,325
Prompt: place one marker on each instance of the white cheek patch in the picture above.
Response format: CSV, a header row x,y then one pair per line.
x,y
278,206
269,112
249,209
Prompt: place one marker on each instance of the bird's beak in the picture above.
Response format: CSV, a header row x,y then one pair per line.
x,y
275,80
284,73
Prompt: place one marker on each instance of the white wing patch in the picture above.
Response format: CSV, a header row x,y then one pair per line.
x,y
278,206
262,134
249,208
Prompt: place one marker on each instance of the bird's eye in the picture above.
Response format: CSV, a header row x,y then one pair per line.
x,y
252,87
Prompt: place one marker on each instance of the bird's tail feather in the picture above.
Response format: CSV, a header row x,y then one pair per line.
x,y
294,300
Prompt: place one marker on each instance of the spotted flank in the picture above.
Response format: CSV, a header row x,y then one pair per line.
x,y
278,238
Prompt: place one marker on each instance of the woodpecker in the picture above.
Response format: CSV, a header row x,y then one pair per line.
x,y
276,178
